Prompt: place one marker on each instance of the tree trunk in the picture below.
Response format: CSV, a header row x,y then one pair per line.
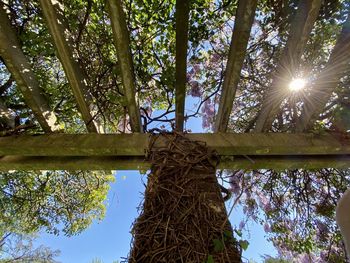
x,y
183,217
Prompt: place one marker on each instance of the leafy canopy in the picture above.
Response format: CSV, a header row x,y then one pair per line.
x,y
51,200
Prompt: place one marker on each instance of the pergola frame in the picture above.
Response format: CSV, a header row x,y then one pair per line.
x,y
127,151
240,36
121,41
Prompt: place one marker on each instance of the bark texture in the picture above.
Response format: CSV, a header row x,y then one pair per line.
x,y
183,217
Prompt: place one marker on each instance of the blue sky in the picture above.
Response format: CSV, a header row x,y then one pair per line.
x,y
109,239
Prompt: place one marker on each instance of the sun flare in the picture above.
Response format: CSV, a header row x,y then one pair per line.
x,y
297,84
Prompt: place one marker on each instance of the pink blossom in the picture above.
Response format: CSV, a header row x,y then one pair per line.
x,y
241,225
208,111
215,58
205,123
304,258
195,89
188,76
196,68
267,228
235,186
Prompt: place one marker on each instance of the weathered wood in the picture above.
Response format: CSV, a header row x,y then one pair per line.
x,y
327,80
182,17
75,145
138,163
72,163
122,44
240,36
136,144
20,68
287,67
72,69
286,162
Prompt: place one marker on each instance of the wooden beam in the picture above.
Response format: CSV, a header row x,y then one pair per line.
x,y
181,24
20,68
288,65
225,144
74,73
128,151
328,80
240,36
138,163
286,162
122,44
72,163
76,145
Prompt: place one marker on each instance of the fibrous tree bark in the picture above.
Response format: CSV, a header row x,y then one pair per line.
x,y
183,217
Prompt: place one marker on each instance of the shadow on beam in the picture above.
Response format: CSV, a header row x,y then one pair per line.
x,y
138,163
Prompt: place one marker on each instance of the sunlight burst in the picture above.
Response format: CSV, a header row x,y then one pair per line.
x,y
297,84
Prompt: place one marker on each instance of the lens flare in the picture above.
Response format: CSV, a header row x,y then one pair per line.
x,y
297,84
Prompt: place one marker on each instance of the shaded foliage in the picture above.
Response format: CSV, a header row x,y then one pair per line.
x,y
51,200
152,33
296,209
20,248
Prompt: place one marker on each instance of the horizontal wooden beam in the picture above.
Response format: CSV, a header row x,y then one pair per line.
x,y
225,144
21,70
75,145
122,44
286,162
243,23
138,163
128,151
74,73
72,163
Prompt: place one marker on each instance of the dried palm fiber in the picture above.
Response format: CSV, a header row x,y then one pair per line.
x,y
183,217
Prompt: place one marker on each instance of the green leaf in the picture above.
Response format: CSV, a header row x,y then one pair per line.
x,y
218,245
238,232
210,259
244,244
228,234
